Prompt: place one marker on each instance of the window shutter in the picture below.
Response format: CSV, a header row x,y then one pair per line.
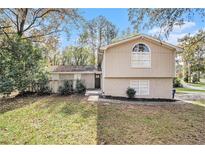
x,y
141,86
135,85
144,87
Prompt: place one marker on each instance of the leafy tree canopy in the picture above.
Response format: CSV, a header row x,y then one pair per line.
x,y
20,63
193,54
76,55
165,18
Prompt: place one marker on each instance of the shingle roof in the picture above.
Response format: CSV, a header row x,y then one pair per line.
x,y
70,68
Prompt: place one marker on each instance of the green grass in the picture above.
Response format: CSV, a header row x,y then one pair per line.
x,y
139,124
73,120
49,120
184,90
201,84
202,80
200,102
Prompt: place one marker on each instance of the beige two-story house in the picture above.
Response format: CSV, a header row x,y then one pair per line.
x,y
140,62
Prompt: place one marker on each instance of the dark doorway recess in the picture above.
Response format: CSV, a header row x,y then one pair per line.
x,y
97,81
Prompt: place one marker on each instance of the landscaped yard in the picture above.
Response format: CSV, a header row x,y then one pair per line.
x,y
200,85
184,90
73,120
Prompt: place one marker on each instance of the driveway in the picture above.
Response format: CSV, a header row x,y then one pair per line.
x,y
190,96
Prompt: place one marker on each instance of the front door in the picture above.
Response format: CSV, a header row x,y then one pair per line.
x,y
97,81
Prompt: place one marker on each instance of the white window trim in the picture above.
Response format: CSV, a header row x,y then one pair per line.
x,y
143,67
77,76
139,89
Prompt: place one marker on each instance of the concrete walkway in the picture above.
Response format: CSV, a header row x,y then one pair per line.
x,y
190,96
93,92
93,95
93,98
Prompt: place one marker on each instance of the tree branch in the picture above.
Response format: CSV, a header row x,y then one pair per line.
x,y
39,16
41,35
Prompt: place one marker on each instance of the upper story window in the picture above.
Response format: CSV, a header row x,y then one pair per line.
x,y
141,56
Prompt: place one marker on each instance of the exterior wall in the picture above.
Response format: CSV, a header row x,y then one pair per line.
x,y
89,80
57,80
118,61
54,84
103,72
158,87
66,76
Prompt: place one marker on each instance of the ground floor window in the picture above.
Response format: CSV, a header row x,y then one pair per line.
x,y
141,86
77,76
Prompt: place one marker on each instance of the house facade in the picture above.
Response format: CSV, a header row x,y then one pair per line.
x,y
89,75
140,62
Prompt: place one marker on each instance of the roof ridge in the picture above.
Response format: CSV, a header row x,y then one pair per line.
x,y
139,35
117,39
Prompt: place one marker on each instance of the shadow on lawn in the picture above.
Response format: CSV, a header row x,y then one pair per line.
x,y
146,124
10,104
125,123
69,105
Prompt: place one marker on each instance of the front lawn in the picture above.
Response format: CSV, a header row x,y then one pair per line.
x,y
199,102
185,90
200,85
73,120
48,120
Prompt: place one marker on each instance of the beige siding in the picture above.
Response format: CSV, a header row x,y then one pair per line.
x,y
158,87
58,79
118,61
66,76
54,84
54,76
89,80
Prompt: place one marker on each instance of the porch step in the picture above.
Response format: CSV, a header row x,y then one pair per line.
x,y
95,92
93,98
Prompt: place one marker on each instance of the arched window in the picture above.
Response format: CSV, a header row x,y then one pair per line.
x,y
141,56
140,48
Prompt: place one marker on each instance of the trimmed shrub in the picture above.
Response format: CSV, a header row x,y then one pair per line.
x,y
177,83
43,88
186,77
80,87
67,88
130,92
6,86
195,78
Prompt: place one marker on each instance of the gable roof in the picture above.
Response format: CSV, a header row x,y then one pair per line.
x,y
71,68
141,36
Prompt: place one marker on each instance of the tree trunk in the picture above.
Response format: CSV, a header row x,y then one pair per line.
x,y
189,73
198,72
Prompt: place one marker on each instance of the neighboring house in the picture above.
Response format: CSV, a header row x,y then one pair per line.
x,y
140,62
88,74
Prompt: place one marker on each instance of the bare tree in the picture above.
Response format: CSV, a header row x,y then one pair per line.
x,y
35,24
